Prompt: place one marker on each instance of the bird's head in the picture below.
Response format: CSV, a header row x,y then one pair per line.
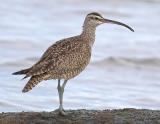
x,y
94,19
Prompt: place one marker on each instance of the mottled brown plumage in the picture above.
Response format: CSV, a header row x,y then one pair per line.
x,y
66,58
63,60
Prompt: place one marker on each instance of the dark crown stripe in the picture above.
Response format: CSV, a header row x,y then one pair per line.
x,y
94,13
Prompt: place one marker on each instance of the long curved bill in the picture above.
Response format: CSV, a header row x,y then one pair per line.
x,y
116,22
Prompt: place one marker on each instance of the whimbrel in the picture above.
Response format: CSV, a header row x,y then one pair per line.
x,y
66,58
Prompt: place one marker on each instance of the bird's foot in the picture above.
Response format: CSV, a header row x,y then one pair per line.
x,y
62,112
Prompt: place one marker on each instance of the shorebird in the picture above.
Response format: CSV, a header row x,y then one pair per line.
x,y
66,58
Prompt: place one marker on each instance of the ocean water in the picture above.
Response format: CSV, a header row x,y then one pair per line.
x,y
125,67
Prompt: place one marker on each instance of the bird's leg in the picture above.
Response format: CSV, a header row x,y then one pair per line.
x,y
63,86
60,92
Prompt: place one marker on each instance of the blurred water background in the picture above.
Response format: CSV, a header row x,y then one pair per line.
x,y
125,66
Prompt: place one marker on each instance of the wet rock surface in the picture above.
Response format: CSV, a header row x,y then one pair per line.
x,y
119,116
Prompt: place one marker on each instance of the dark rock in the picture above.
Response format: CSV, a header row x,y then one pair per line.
x,y
120,116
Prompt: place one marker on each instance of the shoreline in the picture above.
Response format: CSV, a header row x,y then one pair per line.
x,y
82,116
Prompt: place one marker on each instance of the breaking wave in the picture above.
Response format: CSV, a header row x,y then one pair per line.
x,y
121,61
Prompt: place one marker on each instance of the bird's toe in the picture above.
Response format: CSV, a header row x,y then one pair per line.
x,y
63,113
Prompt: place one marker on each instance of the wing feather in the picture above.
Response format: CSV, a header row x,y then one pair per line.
x,y
61,56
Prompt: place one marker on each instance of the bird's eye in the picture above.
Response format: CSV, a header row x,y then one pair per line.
x,y
92,17
96,18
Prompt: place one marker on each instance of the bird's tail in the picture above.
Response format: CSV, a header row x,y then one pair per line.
x,y
34,80
25,71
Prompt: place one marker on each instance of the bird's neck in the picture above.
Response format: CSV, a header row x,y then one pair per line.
x,y
88,34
